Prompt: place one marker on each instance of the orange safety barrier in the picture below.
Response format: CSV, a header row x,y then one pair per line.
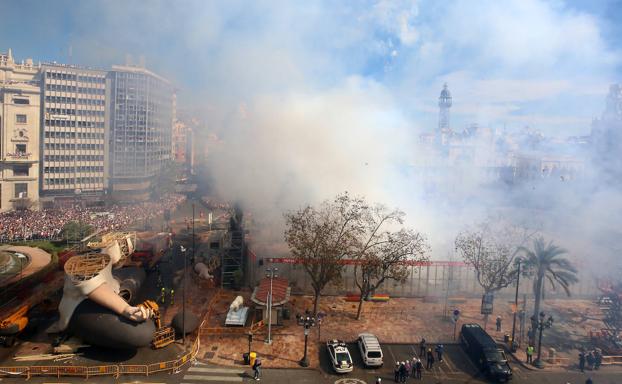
x,y
44,370
15,371
102,370
159,367
133,369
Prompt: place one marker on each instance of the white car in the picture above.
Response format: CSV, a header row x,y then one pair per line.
x,y
339,356
370,349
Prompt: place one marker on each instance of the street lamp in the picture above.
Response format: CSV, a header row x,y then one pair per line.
x,y
514,345
21,264
307,321
183,299
270,273
541,324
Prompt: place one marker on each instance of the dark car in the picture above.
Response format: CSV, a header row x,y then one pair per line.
x,y
485,353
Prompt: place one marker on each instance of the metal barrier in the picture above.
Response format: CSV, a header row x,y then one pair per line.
x,y
15,371
612,360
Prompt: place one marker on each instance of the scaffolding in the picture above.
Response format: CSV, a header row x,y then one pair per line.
x,y
233,257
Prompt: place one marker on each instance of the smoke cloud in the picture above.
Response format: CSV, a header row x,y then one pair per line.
x,y
309,100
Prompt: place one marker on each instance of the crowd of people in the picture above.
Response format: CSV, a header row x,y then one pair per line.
x,y
48,224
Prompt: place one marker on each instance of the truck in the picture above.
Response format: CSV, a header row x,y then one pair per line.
x,y
150,247
485,353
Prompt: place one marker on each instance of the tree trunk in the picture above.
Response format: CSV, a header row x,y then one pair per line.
x,y
358,312
538,299
316,302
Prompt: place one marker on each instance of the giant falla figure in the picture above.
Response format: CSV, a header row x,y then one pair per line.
x,y
91,307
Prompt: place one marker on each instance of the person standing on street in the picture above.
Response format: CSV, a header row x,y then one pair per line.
x,y
499,323
408,369
529,353
598,358
257,369
419,369
378,380
396,372
582,361
430,357
403,373
439,352
422,348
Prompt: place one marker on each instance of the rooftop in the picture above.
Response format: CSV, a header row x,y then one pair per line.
x,y
280,291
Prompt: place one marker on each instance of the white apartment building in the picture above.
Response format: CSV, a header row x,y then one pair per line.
x,y
19,133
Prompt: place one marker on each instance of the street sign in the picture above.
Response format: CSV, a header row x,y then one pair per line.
x,y
456,315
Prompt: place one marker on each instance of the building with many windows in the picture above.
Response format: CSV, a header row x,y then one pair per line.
x,y
19,133
141,118
73,135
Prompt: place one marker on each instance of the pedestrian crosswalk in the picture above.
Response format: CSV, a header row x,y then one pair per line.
x,y
201,372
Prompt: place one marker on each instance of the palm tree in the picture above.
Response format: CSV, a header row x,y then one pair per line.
x,y
545,261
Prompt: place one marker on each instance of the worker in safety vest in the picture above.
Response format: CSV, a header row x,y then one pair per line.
x,y
172,296
163,295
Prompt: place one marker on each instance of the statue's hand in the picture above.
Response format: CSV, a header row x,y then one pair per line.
x,y
138,314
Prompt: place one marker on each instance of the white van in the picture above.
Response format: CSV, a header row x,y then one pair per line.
x,y
370,350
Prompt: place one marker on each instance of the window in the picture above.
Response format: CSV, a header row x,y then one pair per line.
x,y
21,101
21,170
20,148
21,190
21,119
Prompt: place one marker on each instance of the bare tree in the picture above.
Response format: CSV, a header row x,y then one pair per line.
x,y
383,249
492,252
320,238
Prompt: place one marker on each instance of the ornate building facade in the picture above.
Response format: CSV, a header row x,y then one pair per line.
x,y
19,133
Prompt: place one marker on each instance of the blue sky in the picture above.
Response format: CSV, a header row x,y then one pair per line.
x,y
508,63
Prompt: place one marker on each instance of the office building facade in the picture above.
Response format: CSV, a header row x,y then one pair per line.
x,y
19,133
140,141
73,136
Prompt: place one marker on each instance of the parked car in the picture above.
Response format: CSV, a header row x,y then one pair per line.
x,y
339,356
370,350
485,352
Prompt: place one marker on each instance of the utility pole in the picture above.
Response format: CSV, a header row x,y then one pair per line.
x,y
183,299
512,346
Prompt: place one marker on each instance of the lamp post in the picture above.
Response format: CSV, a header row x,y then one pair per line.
x,y
514,345
541,324
270,273
307,321
21,265
183,300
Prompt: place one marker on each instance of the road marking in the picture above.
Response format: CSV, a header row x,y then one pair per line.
x,y
350,381
392,355
214,370
412,347
449,364
211,378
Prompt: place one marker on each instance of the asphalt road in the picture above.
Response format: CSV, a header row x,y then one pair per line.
x,y
455,369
